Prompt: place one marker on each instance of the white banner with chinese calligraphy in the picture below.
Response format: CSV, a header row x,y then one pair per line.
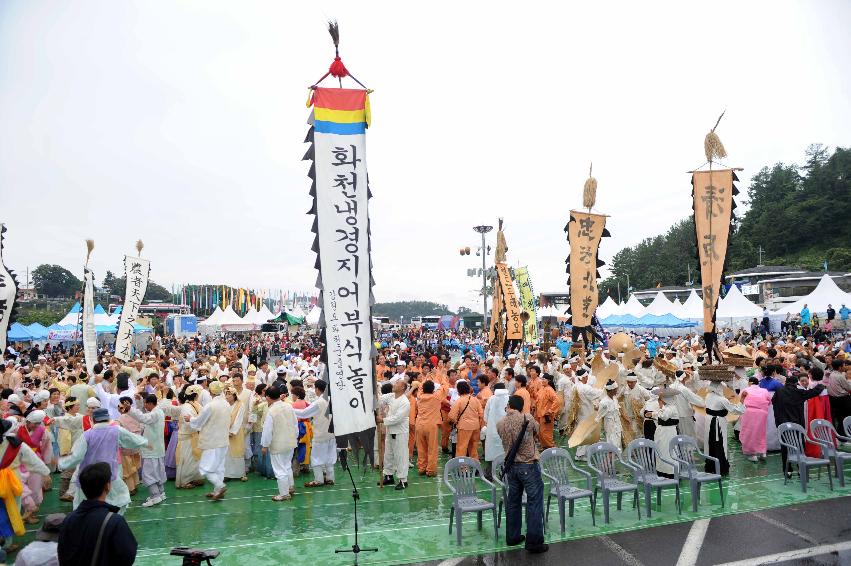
x,y
713,193
90,344
341,194
8,295
584,231
136,271
527,301
510,304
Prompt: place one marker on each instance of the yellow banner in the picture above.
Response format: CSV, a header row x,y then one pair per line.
x,y
584,232
713,206
527,301
513,324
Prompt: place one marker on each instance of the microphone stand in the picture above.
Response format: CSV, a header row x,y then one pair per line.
x,y
356,548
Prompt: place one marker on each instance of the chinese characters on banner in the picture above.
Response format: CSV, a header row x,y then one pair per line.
x,y
136,271
713,206
527,301
513,323
90,344
342,227
584,232
8,294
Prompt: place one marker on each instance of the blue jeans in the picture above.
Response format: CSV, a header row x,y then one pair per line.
x,y
525,477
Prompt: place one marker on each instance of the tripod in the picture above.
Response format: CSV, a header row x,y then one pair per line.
x,y
356,548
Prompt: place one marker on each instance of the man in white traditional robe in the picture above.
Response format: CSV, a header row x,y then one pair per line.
x,y
213,423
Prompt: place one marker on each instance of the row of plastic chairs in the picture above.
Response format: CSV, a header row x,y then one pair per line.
x,y
461,476
822,434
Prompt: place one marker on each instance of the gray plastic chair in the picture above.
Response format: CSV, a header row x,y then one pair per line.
x,y
823,434
502,492
603,459
684,451
846,424
555,463
641,455
793,437
459,475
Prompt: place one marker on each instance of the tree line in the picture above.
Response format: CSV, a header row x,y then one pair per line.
x,y
54,281
799,215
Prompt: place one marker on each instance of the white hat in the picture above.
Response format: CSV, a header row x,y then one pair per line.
x,y
512,356
36,416
400,363
611,385
41,396
14,398
93,403
631,377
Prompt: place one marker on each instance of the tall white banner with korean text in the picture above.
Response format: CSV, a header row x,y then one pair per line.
x,y
136,271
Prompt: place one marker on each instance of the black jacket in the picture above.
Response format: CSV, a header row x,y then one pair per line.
x,y
789,402
79,533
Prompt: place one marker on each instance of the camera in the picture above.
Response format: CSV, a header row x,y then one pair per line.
x,y
194,556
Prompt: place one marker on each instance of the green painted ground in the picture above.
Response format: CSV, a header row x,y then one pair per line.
x,y
410,526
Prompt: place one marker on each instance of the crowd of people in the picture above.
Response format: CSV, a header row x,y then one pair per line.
x,y
204,411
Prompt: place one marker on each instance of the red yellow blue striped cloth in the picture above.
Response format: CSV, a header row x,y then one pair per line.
x,y
340,111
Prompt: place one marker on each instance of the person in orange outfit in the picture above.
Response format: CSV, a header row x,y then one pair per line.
x,y
466,415
485,392
427,423
534,384
520,390
413,394
446,426
549,406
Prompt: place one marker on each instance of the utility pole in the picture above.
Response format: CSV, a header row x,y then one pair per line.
x,y
760,251
484,230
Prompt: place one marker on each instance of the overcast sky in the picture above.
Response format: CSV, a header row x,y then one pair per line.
x,y
182,123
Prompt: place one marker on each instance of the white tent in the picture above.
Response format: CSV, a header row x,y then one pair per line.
x,y
312,318
297,312
265,315
609,307
232,322
252,316
661,305
633,307
676,308
827,292
692,309
213,319
736,306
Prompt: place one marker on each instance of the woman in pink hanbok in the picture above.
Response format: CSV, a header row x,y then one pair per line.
x,y
757,402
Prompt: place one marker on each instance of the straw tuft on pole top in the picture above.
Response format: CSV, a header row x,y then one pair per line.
x,y
90,245
712,146
589,191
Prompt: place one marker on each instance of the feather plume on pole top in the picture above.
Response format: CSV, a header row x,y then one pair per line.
x,y
90,245
712,146
589,191
139,247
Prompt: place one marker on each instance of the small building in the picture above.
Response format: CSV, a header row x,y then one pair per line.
x,y
780,291
749,280
555,299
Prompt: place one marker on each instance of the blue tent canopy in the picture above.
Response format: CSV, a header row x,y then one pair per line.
x,y
99,309
647,321
76,308
38,331
19,333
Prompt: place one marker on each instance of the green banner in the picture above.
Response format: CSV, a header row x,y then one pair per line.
x,y
527,301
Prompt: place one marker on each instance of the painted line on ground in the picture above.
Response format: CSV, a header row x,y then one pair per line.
x,y
622,553
693,543
792,555
783,526
451,562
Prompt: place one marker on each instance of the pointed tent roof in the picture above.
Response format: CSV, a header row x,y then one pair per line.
x,y
735,305
264,315
633,307
825,293
73,316
232,321
608,307
313,316
661,305
297,312
251,316
676,308
693,307
213,319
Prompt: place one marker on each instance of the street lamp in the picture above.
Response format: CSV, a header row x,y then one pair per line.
x,y
484,230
